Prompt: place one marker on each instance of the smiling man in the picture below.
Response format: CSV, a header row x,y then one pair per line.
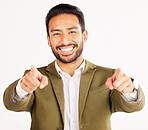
x,y
71,93
66,39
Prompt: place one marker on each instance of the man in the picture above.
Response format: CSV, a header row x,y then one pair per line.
x,y
71,93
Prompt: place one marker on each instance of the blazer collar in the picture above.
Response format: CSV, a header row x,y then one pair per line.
x,y
85,82
86,78
51,68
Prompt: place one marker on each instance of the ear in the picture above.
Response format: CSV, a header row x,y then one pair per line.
x,y
85,36
48,38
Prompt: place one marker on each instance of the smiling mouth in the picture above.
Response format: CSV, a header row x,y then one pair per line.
x,y
67,50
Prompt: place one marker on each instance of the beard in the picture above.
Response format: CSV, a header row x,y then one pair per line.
x,y
66,58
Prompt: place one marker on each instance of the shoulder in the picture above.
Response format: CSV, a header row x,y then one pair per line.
x,y
105,69
46,68
101,70
49,69
42,70
100,74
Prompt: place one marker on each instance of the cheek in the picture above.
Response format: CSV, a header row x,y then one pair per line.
x,y
78,39
54,42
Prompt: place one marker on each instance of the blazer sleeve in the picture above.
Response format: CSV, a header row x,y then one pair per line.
x,y
120,104
12,103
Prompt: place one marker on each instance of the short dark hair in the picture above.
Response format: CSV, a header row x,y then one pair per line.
x,y
68,9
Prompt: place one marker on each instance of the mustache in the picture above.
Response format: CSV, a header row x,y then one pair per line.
x,y
62,45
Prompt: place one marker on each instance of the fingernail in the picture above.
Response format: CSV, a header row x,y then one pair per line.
x,y
41,86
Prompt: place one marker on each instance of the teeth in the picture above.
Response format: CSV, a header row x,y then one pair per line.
x,y
66,49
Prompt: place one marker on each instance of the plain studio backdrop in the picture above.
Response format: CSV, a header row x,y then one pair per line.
x,y
118,37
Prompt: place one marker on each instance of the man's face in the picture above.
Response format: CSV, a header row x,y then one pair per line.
x,y
66,38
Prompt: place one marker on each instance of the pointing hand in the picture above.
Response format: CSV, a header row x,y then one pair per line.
x,y
32,80
120,81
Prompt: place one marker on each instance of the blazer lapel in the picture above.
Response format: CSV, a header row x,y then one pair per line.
x,y
57,86
86,78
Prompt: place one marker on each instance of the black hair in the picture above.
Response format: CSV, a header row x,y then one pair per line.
x,y
68,9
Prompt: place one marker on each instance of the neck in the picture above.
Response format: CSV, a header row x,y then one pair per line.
x,y
70,67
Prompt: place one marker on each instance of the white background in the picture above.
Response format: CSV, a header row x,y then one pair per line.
x,y
118,37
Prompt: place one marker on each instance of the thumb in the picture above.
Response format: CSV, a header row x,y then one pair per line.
x,y
43,82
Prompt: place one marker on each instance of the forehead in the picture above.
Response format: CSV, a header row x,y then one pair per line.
x,y
63,21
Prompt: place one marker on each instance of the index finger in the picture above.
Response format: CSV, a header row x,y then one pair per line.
x,y
118,73
35,72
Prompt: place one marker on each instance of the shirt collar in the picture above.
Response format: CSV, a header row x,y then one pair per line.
x,y
80,69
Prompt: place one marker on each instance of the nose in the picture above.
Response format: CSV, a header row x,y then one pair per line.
x,y
64,39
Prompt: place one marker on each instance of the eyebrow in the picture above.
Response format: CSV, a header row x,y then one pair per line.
x,y
72,28
53,30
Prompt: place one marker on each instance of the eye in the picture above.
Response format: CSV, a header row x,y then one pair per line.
x,y
72,32
56,34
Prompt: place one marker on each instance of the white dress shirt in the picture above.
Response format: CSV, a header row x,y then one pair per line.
x,y
71,96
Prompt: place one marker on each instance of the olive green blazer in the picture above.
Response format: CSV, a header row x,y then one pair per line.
x,y
96,101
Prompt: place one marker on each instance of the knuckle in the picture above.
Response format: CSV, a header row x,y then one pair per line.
x,y
119,89
22,82
37,83
28,73
27,76
34,88
23,86
30,91
124,91
131,87
25,80
126,77
31,73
